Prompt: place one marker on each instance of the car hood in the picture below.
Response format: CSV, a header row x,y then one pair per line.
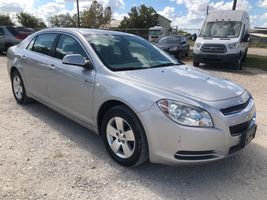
x,y
185,80
167,46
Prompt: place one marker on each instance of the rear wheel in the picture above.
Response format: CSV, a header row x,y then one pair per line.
x,y
124,136
18,88
195,64
179,55
7,47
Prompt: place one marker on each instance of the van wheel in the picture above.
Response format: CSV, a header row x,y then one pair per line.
x,y
195,64
18,88
239,64
124,136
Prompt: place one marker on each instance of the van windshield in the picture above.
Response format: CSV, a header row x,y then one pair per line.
x,y
221,29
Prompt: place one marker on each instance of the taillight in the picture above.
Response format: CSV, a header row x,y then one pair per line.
x,y
21,37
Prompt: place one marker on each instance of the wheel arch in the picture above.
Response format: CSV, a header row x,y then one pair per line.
x,y
105,107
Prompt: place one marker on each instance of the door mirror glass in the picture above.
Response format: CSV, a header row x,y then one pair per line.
x,y
78,60
246,38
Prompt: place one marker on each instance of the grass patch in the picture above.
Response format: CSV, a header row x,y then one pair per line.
x,y
257,61
258,45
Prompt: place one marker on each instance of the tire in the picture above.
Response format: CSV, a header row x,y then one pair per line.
x,y
7,47
124,136
239,64
195,64
18,88
179,55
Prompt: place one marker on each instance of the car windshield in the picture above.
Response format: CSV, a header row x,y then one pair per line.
x,y
221,29
170,40
123,52
155,32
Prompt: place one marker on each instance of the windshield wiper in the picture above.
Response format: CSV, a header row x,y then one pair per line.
x,y
129,68
166,64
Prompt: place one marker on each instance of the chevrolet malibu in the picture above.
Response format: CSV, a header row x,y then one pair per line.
x,y
145,104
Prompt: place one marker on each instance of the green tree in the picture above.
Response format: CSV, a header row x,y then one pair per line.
x,y
5,20
63,20
96,16
140,17
28,20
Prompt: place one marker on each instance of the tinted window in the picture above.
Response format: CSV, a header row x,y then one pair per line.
x,y
44,43
68,45
2,31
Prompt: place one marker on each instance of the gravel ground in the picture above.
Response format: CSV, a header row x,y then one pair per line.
x,y
44,155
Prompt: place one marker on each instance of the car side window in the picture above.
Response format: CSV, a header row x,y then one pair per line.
x,y
2,31
43,43
68,45
30,45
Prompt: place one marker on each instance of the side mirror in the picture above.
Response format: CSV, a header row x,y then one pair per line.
x,y
78,60
246,38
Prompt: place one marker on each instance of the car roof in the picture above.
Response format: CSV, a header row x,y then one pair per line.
x,y
84,31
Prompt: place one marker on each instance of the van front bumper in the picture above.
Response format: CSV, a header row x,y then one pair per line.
x,y
216,58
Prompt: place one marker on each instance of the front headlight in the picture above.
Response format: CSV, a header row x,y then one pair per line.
x,y
234,45
173,49
185,114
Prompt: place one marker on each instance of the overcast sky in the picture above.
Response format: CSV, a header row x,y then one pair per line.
x,y
184,13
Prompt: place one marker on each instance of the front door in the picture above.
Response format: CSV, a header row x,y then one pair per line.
x,y
70,88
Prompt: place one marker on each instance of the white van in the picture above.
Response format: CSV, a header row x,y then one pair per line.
x,y
223,39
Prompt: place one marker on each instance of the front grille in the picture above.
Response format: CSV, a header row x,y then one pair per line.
x,y
235,109
239,128
195,155
213,48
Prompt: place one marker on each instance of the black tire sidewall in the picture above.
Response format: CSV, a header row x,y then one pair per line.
x,y
24,97
123,112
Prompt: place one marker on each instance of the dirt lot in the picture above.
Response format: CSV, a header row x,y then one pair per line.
x,y
44,155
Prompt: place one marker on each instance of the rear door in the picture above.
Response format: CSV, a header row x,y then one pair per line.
x,y
70,87
36,62
2,39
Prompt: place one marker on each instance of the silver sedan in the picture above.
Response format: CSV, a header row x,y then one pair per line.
x,y
145,104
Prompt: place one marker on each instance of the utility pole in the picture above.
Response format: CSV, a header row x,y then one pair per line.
x,y
78,13
207,10
234,4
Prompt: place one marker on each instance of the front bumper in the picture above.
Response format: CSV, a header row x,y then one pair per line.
x,y
216,58
171,143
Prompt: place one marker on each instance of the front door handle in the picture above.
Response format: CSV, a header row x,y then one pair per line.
x,y
52,67
23,57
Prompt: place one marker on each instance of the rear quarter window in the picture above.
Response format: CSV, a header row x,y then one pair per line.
x,y
43,43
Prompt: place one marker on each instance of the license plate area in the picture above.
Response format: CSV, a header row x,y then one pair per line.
x,y
247,136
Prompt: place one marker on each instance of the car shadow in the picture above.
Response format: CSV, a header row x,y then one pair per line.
x,y
236,174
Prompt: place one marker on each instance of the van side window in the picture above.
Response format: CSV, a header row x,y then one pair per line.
x,y
2,31
68,45
44,43
30,45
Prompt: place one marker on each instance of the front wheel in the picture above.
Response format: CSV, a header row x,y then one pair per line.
x,y
124,136
195,64
18,88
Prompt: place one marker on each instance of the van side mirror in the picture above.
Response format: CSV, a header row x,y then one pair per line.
x,y
246,38
78,60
